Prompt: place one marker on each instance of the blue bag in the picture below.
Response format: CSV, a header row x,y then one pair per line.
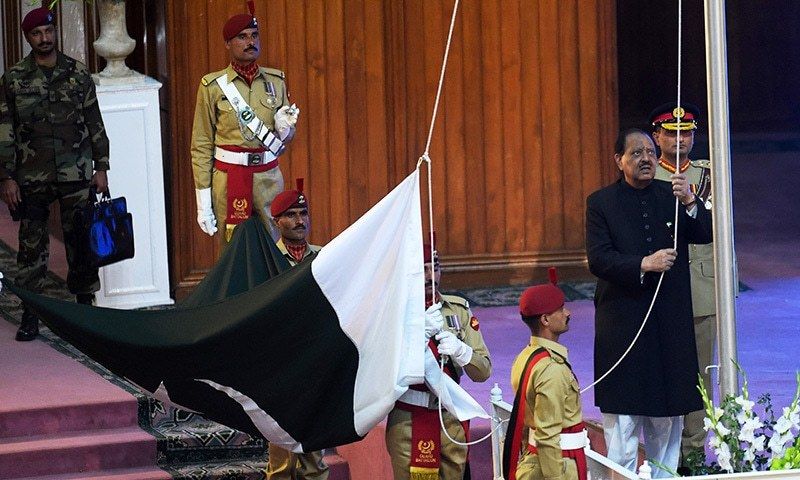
x,y
108,230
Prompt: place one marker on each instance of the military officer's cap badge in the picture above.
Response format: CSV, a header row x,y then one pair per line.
x,y
671,116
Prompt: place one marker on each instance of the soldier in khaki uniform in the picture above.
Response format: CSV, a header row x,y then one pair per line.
x,y
666,124
415,417
242,124
546,435
289,213
53,145
290,216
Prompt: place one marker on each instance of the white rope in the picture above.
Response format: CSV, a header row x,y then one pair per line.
x,y
675,225
426,154
441,419
427,159
441,77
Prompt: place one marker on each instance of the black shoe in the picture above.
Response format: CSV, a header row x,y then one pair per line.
x,y
85,298
29,327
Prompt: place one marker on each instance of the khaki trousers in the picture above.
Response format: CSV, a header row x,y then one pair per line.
x,y
398,443
285,465
529,468
266,185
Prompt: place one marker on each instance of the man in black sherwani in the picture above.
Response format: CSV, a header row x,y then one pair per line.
x,y
629,243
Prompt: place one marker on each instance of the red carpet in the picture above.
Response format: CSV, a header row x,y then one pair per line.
x,y
58,417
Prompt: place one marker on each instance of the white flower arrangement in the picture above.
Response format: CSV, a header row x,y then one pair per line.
x,y
742,441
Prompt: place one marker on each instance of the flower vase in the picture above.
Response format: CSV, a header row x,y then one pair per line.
x,y
114,44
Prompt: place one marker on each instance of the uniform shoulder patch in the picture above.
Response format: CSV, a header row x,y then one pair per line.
x,y
209,78
81,68
274,72
475,324
456,300
701,163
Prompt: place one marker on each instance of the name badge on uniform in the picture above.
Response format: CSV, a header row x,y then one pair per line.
x,y
272,99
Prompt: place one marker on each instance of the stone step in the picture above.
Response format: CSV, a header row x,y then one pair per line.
x,y
67,453
51,420
143,473
252,469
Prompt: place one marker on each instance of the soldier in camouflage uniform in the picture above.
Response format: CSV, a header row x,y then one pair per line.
x,y
52,138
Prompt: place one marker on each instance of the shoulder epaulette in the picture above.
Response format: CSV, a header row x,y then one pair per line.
x,y
80,67
274,72
209,78
556,357
701,163
456,299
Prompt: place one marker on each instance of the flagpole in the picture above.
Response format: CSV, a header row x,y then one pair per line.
x,y
719,142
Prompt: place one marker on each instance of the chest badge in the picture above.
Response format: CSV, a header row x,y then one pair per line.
x,y
272,98
247,115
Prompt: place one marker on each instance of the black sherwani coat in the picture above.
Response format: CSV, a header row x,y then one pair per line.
x,y
658,378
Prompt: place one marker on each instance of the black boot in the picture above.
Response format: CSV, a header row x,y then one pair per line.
x,y
29,327
85,298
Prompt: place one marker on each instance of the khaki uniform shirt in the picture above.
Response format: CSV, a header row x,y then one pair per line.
x,y
701,257
216,121
51,129
553,402
312,249
460,320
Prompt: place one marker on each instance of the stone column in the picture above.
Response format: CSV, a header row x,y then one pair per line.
x,y
131,116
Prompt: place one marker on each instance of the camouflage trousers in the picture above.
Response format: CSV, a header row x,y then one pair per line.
x,y
34,241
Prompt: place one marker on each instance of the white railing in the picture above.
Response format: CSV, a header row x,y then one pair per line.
x,y
600,467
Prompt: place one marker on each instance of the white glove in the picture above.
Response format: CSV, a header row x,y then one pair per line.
x,y
205,214
450,345
434,320
285,120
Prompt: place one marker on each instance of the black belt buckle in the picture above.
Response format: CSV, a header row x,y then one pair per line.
x,y
254,159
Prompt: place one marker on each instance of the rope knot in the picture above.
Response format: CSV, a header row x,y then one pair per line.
x,y
424,158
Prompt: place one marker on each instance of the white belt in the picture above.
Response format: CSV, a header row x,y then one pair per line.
x,y
569,441
243,158
415,397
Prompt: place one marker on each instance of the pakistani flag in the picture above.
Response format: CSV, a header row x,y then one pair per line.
x,y
309,357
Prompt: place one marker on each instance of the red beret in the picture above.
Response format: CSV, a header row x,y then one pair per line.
x,y
36,18
540,300
289,199
426,254
236,24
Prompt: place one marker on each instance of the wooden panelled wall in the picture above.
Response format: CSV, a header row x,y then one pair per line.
x,y
524,133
